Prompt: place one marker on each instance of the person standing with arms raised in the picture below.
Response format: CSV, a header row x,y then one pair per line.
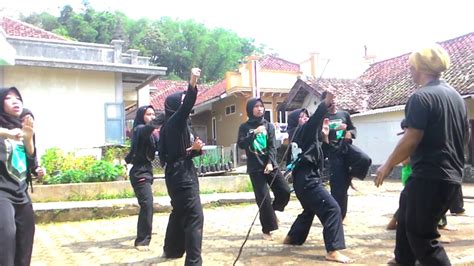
x,y
177,147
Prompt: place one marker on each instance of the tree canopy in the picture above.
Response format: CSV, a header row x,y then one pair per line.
x,y
175,44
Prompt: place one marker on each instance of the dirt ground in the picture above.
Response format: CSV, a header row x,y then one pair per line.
x,y
110,241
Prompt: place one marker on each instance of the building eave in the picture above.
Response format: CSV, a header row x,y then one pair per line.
x,y
384,110
87,65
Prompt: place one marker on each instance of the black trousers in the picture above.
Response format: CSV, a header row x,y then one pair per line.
x,y
17,230
281,192
186,221
316,200
422,204
457,204
339,180
144,194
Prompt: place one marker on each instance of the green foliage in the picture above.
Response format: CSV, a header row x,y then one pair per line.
x,y
52,160
68,168
115,153
102,171
68,176
176,44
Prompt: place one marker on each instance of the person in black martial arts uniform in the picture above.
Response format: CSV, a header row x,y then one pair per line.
x,y
177,147
345,159
436,134
142,152
257,137
310,191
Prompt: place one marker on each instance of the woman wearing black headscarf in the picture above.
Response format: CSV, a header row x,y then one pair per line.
x,y
177,148
257,138
310,191
17,224
142,153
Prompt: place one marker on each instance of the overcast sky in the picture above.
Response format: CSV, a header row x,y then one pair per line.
x,y
338,30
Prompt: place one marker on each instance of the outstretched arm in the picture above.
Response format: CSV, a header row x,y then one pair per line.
x,y
189,100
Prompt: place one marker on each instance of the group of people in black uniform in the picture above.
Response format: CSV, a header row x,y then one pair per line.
x,y
436,132
435,135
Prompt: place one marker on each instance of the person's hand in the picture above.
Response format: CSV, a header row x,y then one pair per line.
x,y
348,135
268,168
40,171
197,145
195,74
27,128
325,130
382,172
342,126
302,120
329,98
15,133
260,129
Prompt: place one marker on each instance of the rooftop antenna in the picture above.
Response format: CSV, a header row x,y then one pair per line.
x,y
324,69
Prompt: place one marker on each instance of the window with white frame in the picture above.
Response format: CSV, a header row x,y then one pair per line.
x,y
230,109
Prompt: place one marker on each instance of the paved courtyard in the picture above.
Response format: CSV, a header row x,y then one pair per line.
x,y
110,241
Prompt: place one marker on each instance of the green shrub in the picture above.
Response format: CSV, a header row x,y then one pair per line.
x,y
53,160
113,153
68,176
102,171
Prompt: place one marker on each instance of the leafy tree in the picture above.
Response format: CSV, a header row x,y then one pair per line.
x,y
176,44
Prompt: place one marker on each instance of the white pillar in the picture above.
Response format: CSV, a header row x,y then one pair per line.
x,y
143,96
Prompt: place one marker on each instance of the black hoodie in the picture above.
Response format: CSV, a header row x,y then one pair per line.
x,y
294,129
309,139
175,135
143,148
13,172
256,162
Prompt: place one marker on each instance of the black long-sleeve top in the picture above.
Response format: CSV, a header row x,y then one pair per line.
x,y
309,142
256,162
174,135
345,118
144,152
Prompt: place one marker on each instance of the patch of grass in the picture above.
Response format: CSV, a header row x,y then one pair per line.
x,y
249,187
102,196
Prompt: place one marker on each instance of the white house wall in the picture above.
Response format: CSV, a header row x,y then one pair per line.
x,y
68,104
377,134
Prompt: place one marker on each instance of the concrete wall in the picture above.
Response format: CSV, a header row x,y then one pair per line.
x,y
203,120
68,104
376,134
66,192
228,125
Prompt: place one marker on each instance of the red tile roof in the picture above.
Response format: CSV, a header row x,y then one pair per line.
x,y
389,82
18,28
162,88
269,62
351,95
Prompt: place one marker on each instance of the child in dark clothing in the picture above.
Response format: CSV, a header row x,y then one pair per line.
x,y
257,137
177,148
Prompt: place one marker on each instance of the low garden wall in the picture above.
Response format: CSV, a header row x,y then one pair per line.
x,y
123,189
